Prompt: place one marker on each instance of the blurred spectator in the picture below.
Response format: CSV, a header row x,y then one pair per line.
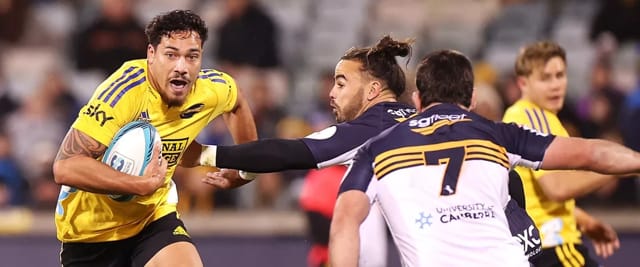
x,y
618,17
265,111
629,189
13,190
13,18
114,37
7,104
247,37
320,115
599,109
488,101
36,130
317,199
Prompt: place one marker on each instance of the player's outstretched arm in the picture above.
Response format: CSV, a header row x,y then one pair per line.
x,y
565,185
76,166
604,237
591,154
352,207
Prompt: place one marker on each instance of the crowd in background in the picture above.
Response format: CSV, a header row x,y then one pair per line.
x,y
53,53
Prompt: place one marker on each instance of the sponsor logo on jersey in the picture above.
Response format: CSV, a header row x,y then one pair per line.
x,y
424,219
530,241
172,148
402,112
190,111
474,211
99,115
425,122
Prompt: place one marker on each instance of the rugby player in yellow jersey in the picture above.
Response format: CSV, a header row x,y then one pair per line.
x,y
541,71
170,90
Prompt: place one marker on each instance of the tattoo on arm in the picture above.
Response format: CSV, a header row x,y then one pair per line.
x,y
78,143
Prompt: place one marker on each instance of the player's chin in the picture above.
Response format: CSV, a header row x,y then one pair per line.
x,y
176,100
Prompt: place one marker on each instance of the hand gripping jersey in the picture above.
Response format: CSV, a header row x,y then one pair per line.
x,y
555,220
126,96
441,180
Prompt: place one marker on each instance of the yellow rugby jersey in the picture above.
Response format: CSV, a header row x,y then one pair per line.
x,y
555,220
125,96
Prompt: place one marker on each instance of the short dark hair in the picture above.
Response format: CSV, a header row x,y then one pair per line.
x,y
445,76
537,54
175,21
379,61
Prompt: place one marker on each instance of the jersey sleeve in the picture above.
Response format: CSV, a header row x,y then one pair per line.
x,y
227,91
114,103
360,175
526,147
339,143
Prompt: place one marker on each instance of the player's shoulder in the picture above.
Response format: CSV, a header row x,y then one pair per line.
x,y
517,111
212,78
128,82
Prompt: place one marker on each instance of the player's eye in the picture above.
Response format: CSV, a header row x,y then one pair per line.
x,y
170,55
194,56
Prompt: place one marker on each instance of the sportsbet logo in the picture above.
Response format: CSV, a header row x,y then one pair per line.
x,y
99,115
172,148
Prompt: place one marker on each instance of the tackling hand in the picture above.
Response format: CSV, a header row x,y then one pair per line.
x,y
225,179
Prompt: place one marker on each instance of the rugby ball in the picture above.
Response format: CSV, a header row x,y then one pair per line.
x,y
130,150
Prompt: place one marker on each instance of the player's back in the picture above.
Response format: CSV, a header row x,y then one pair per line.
x,y
442,184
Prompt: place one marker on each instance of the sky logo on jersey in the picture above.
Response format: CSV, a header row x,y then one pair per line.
x,y
97,114
190,111
475,211
424,220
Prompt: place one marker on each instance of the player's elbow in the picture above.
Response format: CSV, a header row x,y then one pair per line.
x,y
60,172
558,194
554,188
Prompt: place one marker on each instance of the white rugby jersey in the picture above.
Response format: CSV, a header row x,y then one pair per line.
x,y
441,180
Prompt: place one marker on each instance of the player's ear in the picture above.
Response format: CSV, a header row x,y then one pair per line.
x,y
522,83
415,98
374,90
151,51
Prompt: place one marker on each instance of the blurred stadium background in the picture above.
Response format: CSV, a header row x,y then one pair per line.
x,y
53,53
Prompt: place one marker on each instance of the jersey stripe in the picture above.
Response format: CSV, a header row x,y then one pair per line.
x,y
432,128
126,89
541,129
561,257
546,122
120,84
124,74
475,149
569,256
531,124
576,254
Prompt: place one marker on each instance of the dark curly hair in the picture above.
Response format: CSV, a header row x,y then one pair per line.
x,y
380,62
445,76
175,21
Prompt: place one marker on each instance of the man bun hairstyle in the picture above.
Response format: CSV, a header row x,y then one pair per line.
x,y
175,21
379,61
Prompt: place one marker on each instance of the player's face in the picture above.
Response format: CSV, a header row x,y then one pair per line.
x,y
347,97
547,85
174,65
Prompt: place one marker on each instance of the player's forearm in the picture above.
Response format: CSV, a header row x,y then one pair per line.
x,y
594,154
267,155
612,158
91,175
565,185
